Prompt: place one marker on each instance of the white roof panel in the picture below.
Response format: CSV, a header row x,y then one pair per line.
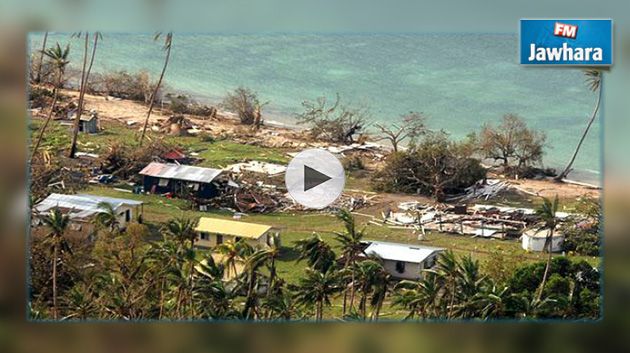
x,y
400,252
83,205
180,172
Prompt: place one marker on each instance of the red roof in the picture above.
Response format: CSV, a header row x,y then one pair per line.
x,y
174,154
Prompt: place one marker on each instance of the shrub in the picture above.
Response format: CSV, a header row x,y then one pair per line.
x,y
182,104
121,84
244,102
335,123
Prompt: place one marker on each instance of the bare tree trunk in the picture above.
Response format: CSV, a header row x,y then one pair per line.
x,y
568,168
548,245
43,128
154,94
54,279
77,120
38,77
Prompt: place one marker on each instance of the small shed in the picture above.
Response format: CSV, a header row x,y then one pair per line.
x,y
89,123
178,179
534,240
404,261
214,231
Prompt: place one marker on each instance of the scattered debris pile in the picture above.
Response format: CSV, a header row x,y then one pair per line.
x,y
477,221
269,169
176,125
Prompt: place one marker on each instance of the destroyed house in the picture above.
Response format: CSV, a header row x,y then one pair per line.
x,y
82,210
161,178
403,261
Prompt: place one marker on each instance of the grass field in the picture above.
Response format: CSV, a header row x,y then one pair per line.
x,y
292,226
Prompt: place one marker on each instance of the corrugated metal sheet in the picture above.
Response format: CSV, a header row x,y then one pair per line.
x,y
82,205
232,228
400,252
180,172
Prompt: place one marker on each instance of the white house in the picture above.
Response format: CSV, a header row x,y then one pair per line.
x,y
83,208
405,261
534,240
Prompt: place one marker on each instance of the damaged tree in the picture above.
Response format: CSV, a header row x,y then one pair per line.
x,y
435,166
411,127
59,58
245,103
512,141
335,123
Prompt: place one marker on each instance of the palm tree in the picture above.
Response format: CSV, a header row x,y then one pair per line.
x,y
82,87
351,249
252,263
547,212
107,217
446,268
59,58
168,41
57,222
38,76
369,274
274,253
594,82
232,253
317,253
316,289
280,305
420,298
183,230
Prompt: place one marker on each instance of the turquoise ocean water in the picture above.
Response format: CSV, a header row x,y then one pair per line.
x,y
459,81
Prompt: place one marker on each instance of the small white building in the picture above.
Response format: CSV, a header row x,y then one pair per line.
x,y
534,240
82,209
405,261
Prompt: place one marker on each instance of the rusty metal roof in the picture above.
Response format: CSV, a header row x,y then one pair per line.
x,y
180,172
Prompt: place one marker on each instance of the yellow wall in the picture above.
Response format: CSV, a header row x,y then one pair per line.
x,y
212,240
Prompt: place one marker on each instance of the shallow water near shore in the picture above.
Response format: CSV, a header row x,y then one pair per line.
x,y
459,81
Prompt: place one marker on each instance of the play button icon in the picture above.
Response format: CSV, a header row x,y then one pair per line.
x,y
315,178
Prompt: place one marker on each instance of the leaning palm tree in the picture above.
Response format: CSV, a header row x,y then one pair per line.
x,y
38,75
252,264
57,222
107,217
59,58
547,212
168,41
316,289
420,298
232,253
317,253
351,249
594,82
182,230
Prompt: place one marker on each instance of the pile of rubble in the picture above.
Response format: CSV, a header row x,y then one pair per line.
x,y
477,221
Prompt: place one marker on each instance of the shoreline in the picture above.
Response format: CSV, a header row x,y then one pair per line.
x,y
280,119
277,120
